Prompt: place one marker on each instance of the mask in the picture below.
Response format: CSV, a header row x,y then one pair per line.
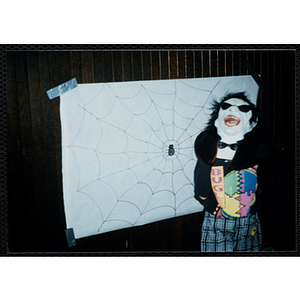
x,y
233,120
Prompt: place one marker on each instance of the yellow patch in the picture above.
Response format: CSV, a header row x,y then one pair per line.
x,y
253,231
232,205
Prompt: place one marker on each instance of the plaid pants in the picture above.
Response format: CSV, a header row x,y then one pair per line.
x,y
224,235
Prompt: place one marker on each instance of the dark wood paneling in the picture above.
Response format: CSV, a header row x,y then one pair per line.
x,y
242,63
190,72
98,66
181,64
198,64
107,65
146,65
221,62
16,211
164,63
35,202
173,64
229,63
76,66
27,184
117,66
127,65
87,67
213,62
205,64
156,66
137,71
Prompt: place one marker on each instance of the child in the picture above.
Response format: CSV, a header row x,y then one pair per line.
x,y
229,153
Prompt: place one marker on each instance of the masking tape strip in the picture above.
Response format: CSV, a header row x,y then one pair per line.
x,y
255,76
63,88
70,237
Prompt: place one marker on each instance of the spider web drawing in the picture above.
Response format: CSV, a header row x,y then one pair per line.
x,y
128,150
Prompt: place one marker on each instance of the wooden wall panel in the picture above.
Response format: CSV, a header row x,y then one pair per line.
x,y
127,65
136,63
88,66
206,70
189,64
155,66
146,65
107,64
76,66
221,62
14,157
198,64
173,64
36,215
229,63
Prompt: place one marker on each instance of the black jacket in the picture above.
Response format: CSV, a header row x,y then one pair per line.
x,y
252,150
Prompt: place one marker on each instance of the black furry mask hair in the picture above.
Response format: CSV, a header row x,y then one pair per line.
x,y
216,108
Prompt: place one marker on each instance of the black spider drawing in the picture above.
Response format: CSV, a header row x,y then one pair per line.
x,y
171,150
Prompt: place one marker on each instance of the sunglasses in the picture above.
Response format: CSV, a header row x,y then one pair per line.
x,y
243,108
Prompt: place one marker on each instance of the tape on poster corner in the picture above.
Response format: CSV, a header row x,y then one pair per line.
x,y
62,88
70,237
255,76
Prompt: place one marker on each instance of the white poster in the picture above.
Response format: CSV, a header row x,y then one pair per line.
x,y
128,149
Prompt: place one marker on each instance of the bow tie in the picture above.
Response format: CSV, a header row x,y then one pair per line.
x,y
223,145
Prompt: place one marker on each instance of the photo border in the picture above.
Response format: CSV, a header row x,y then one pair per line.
x,y
60,47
